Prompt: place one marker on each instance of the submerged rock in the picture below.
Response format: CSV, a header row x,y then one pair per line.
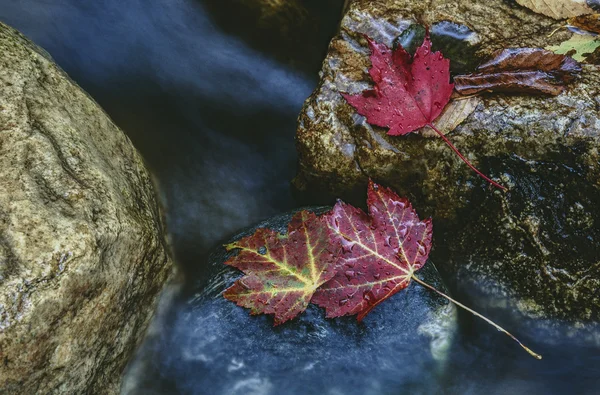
x,y
535,243
217,346
82,248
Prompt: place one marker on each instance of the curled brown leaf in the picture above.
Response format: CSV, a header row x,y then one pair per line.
x,y
520,70
590,22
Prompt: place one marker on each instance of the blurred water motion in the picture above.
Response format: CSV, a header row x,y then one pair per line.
x,y
213,117
211,102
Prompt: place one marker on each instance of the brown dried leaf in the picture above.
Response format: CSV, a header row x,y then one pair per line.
x,y
522,82
558,9
594,57
590,22
521,59
453,115
520,70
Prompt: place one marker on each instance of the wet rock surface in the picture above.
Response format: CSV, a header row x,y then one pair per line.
x,y
82,249
537,245
213,343
533,245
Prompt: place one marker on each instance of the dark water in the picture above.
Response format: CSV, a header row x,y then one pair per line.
x,y
211,102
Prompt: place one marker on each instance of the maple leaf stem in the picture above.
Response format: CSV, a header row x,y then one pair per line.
x,y
480,174
498,327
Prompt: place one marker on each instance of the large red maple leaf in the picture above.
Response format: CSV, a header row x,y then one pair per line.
x,y
408,93
381,251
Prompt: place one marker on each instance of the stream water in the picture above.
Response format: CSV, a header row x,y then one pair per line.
x,y
212,106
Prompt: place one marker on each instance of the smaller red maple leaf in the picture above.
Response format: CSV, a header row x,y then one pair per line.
x,y
381,251
409,93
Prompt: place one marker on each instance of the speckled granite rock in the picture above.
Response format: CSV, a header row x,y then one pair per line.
x,y
536,242
82,248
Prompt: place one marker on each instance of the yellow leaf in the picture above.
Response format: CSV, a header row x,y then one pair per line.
x,y
579,46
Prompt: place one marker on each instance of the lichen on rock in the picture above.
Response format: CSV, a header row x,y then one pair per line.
x,y
82,249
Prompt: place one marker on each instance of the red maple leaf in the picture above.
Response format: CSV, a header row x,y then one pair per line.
x,y
409,93
282,272
381,251
344,261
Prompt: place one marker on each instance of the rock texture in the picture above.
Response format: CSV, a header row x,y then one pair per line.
x,y
535,242
214,344
82,248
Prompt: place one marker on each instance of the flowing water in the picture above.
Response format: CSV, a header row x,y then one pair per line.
x,y
211,102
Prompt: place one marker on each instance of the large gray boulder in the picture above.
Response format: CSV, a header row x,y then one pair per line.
x,y
534,247
82,248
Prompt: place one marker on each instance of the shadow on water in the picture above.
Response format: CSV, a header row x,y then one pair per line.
x,y
209,92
